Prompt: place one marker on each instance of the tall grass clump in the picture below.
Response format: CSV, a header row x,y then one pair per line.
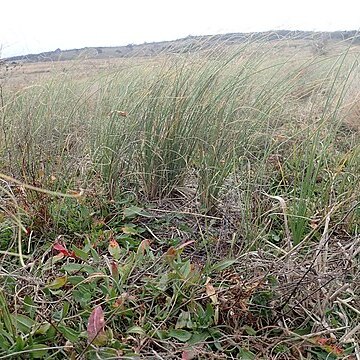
x,y
247,113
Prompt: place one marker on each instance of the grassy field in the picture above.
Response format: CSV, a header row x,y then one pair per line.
x,y
197,205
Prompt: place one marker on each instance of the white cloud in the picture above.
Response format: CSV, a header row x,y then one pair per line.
x,y
39,25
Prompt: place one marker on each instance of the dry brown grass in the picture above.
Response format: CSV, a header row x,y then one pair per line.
x,y
351,119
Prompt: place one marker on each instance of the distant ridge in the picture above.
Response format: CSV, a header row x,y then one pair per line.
x,y
179,45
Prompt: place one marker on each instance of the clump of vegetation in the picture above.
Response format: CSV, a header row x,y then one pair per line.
x,y
203,204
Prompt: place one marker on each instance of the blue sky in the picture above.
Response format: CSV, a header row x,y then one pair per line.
x,y
31,26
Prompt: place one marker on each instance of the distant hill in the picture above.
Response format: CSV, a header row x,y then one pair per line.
x,y
179,45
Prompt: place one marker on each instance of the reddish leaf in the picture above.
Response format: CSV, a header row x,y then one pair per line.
x,y
182,246
188,355
171,252
95,327
144,245
322,341
113,243
63,250
114,268
336,350
328,345
120,301
114,249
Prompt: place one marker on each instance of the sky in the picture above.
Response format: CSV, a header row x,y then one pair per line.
x,y
33,26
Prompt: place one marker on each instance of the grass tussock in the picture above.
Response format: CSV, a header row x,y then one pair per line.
x,y
190,205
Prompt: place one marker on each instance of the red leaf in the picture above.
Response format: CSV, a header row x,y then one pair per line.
x,y
336,350
328,345
96,324
144,245
185,244
322,341
188,354
63,250
113,243
114,268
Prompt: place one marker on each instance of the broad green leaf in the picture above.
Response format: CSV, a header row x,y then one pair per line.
x,y
73,268
82,295
224,264
29,306
43,328
163,282
105,353
181,335
23,323
215,333
199,337
185,269
74,280
4,343
245,354
69,334
37,351
57,283
161,334
129,229
52,332
65,309
136,330
209,311
249,330
20,343
80,253
5,316
94,254
132,211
